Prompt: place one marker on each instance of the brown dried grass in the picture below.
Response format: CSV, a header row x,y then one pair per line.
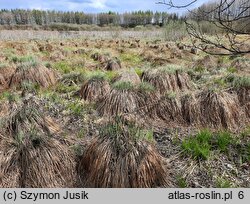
x,y
129,76
31,155
113,64
219,109
100,57
189,109
244,98
120,101
94,89
165,81
35,73
169,109
6,73
3,83
116,159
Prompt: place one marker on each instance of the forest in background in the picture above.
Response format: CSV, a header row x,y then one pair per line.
x,y
19,17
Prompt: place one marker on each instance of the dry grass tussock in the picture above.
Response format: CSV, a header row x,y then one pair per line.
x,y
31,155
4,109
6,71
122,157
219,109
122,99
169,108
154,58
33,72
95,88
167,79
113,65
129,76
209,62
189,108
242,87
100,57
3,83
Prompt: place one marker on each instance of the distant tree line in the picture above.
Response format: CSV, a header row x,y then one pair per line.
x,y
41,18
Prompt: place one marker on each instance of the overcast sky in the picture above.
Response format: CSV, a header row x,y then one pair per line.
x,y
92,6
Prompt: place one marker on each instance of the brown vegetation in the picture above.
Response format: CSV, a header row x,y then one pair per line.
x,y
167,79
122,158
32,72
122,99
94,89
31,155
219,109
113,64
128,76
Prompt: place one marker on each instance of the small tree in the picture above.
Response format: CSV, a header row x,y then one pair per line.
x,y
231,17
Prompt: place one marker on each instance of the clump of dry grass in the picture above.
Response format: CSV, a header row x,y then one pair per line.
x,y
189,108
151,98
113,64
6,71
169,108
155,58
167,79
31,155
129,76
208,62
3,83
219,109
95,88
34,72
3,109
242,86
122,156
123,98
100,57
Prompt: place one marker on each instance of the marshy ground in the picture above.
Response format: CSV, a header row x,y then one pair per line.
x,y
122,112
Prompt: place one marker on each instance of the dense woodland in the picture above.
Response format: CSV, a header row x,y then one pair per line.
x,y
55,19
38,17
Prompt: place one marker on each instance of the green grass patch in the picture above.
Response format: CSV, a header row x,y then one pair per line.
x,y
22,59
232,70
96,76
181,182
111,75
223,140
223,183
139,72
199,146
62,67
171,69
146,87
171,95
131,58
200,69
241,81
9,96
30,86
76,108
123,86
64,88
